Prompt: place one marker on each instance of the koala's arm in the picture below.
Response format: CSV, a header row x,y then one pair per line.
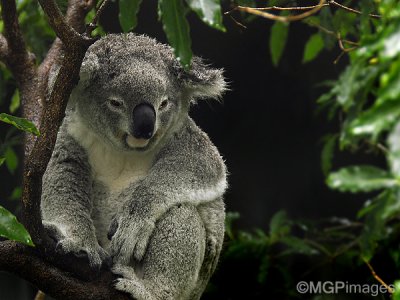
x,y
170,268
187,170
66,201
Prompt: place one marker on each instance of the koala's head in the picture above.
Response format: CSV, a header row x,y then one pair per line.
x,y
133,92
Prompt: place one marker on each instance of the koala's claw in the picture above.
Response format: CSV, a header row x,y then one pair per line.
x,y
124,271
130,284
130,240
95,256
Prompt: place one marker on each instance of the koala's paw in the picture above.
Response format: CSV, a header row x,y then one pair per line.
x,y
93,252
53,231
129,238
87,247
130,283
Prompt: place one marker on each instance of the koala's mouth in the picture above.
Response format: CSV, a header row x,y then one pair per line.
x,y
136,143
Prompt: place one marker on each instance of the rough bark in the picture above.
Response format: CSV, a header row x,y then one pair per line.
x,y
63,277
26,263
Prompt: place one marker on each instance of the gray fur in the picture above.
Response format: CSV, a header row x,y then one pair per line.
x,y
160,202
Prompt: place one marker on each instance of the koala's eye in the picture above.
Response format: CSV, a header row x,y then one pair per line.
x,y
115,103
163,104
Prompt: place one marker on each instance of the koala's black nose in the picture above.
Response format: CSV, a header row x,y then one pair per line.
x,y
144,118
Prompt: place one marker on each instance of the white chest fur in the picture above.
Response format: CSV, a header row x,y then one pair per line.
x,y
115,169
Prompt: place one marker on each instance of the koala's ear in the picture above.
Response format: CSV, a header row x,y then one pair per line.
x,y
202,81
88,69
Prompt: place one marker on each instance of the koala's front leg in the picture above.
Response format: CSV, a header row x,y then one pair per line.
x,y
174,257
66,202
188,170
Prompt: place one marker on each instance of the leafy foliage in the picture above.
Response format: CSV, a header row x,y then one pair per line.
x,y
367,97
20,123
128,10
173,17
209,11
313,47
172,14
277,40
10,228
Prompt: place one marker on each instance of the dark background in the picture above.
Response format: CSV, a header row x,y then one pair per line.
x,y
267,127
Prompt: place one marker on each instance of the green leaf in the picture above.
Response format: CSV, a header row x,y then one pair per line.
x,y
362,178
373,121
15,102
263,269
277,40
209,11
366,7
297,245
16,193
376,217
11,229
11,160
393,155
128,10
176,27
313,47
20,123
2,160
327,154
278,226
396,294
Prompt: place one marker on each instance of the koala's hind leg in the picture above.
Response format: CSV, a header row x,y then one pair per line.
x,y
171,265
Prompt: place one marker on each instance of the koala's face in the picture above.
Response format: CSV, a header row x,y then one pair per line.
x,y
133,93
135,108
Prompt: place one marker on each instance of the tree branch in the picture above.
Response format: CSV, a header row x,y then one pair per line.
x,y
75,17
24,262
352,10
59,276
21,63
259,12
92,25
53,113
67,34
310,10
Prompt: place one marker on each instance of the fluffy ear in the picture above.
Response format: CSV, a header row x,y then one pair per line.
x,y
202,81
89,68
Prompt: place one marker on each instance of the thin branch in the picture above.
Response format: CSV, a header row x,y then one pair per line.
x,y
332,33
291,8
92,25
26,263
292,18
63,30
76,13
388,288
237,22
75,17
12,30
341,41
352,10
300,8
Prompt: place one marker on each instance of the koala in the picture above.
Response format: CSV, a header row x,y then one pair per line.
x,y
132,179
